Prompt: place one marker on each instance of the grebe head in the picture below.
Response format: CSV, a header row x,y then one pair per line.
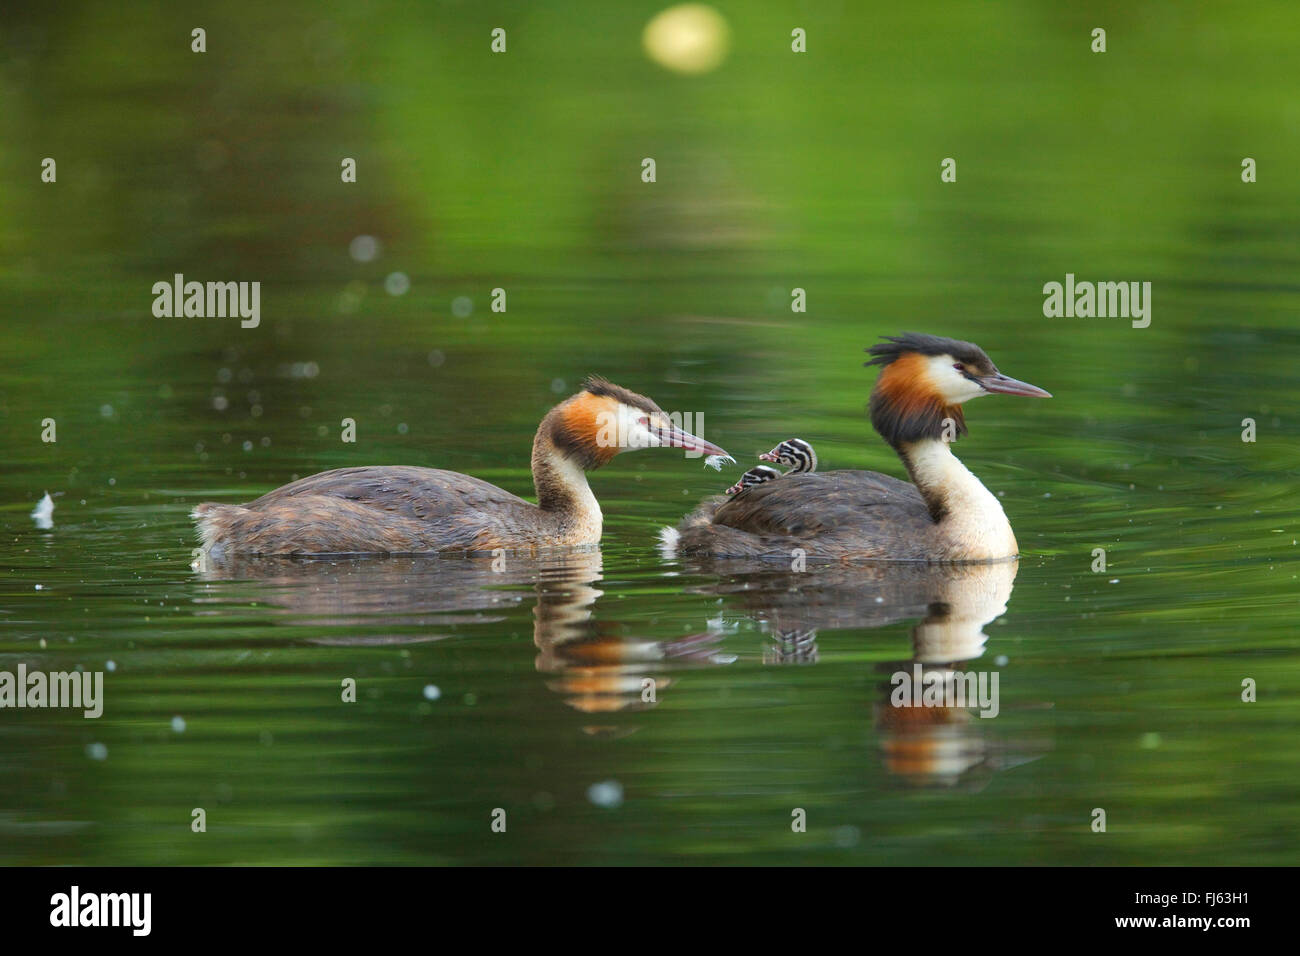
x,y
924,380
795,453
604,419
755,476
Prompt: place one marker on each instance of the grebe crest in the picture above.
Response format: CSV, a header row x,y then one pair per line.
x,y
924,379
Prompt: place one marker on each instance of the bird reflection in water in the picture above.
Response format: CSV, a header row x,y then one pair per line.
x,y
794,646
591,663
942,745
599,669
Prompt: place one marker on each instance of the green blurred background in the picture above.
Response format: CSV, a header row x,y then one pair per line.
x,y
522,170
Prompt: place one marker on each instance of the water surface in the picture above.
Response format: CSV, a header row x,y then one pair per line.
x,y
523,689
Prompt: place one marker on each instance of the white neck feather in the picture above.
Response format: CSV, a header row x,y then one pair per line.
x,y
971,515
564,491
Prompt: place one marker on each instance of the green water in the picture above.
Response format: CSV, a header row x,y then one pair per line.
x,y
1119,690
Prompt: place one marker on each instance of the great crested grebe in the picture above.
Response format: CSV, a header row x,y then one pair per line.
x,y
409,510
946,516
794,453
755,476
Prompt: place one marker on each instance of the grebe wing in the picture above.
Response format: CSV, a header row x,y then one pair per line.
x,y
411,492
815,502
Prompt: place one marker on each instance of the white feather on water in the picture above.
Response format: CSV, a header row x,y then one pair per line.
x,y
43,513
717,461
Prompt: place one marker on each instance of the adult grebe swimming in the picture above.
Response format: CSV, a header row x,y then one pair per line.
x,y
408,510
946,516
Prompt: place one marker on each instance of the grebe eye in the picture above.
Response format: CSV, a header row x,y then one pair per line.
x,y
959,367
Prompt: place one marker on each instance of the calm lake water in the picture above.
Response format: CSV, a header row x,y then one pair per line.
x,y
521,690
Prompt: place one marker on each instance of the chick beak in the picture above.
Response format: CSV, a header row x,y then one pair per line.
x,y
768,456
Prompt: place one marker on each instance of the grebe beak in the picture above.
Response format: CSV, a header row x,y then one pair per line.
x,y
674,437
1005,385
734,489
768,456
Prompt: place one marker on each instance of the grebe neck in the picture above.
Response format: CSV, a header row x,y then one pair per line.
x,y
965,511
563,492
